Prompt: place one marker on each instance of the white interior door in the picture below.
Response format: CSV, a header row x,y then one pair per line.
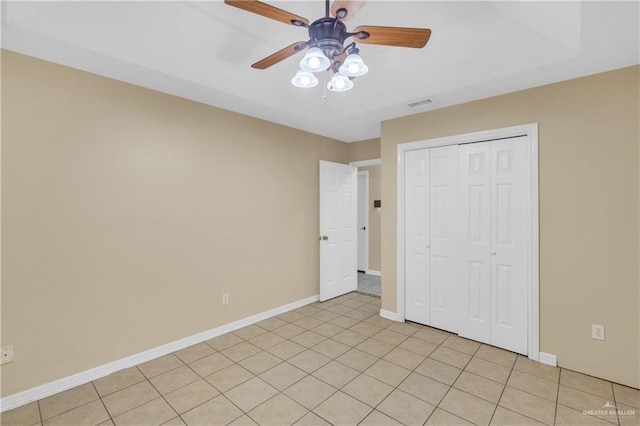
x,y
363,221
443,210
494,218
474,245
510,227
338,229
417,305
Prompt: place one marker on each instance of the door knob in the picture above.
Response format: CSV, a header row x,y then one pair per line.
x,y
493,253
428,245
325,238
364,228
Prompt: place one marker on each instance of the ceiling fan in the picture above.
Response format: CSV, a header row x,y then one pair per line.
x,y
327,36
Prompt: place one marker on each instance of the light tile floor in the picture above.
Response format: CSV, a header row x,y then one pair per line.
x,y
337,363
369,284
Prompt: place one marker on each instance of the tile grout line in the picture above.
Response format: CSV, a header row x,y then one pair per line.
x,y
336,360
310,374
42,420
269,399
153,377
40,412
283,361
365,314
397,387
200,378
511,369
102,402
412,370
379,358
615,403
146,402
580,389
555,413
462,370
148,379
214,372
186,384
503,389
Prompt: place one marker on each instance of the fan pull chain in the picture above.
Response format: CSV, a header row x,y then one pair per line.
x,y
324,85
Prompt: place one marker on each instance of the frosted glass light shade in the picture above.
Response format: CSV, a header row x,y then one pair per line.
x,y
314,61
353,66
304,79
339,83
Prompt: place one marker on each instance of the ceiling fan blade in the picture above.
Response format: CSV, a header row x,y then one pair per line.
x,y
266,10
351,6
393,36
280,55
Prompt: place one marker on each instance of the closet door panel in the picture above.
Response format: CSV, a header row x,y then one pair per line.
x,y
510,226
444,233
474,241
417,236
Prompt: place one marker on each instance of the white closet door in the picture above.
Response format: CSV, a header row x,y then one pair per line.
x,y
510,226
444,234
417,236
474,244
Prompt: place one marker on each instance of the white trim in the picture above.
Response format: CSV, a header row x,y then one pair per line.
x,y
366,163
400,302
534,283
48,389
390,315
548,359
365,173
529,130
373,272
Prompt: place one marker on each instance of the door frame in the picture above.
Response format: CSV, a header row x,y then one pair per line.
x,y
531,132
365,173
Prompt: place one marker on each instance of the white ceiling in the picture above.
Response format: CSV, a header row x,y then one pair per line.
x,y
203,51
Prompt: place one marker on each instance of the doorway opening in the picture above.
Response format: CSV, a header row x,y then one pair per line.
x,y
369,252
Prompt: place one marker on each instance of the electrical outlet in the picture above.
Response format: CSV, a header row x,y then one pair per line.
x,y
225,299
6,355
597,331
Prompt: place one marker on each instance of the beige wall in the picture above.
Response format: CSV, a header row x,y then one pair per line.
x,y
375,190
588,177
363,150
126,213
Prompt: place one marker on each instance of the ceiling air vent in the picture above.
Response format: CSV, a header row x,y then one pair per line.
x,y
421,103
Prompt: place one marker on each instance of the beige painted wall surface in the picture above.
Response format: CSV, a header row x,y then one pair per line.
x,y
127,213
363,150
588,166
375,189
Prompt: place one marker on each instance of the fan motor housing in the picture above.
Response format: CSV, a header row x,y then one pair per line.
x,y
329,35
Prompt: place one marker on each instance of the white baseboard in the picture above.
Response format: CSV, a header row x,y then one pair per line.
x,y
390,315
48,389
548,359
373,272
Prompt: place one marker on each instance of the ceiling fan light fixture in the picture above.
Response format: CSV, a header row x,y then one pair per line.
x,y
326,50
304,79
353,66
340,83
315,61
